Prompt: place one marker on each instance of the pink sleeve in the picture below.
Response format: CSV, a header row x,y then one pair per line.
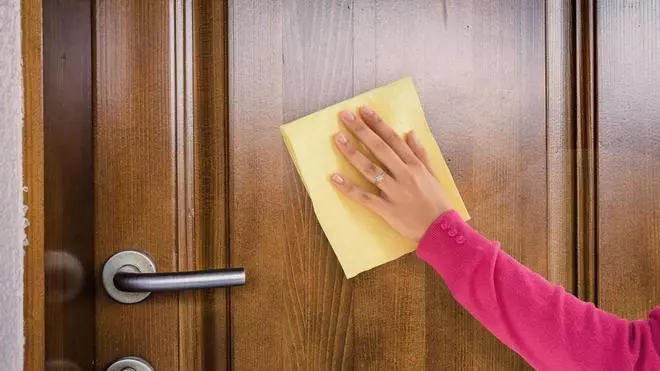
x,y
550,328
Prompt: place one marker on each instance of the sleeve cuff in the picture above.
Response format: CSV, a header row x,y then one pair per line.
x,y
448,235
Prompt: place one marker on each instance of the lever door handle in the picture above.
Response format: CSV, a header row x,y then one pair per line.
x,y
159,282
130,277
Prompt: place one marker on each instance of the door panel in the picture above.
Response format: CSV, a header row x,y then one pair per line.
x,y
481,69
135,173
628,117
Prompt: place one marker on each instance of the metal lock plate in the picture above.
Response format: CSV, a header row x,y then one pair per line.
x,y
126,261
130,364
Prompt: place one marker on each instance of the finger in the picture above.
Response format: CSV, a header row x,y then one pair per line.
x,y
369,200
384,131
417,149
367,168
377,146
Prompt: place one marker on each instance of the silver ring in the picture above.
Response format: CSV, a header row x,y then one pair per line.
x,y
379,177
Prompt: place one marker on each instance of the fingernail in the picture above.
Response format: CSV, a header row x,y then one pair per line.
x,y
338,179
348,116
366,110
341,138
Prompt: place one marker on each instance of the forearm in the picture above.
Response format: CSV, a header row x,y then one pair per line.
x,y
550,328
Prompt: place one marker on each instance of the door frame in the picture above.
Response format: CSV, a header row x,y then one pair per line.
x,y
33,175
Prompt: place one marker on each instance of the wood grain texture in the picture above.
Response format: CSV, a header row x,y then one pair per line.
x,y
33,180
484,92
135,172
68,184
389,301
190,316
211,159
294,312
628,113
560,116
480,68
316,69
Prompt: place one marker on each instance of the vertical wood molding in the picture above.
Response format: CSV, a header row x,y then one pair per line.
x,y
210,95
199,105
181,100
586,142
33,179
561,173
182,113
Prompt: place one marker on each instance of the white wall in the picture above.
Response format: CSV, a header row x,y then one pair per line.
x,y
11,216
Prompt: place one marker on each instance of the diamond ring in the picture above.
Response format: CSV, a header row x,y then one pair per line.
x,y
379,177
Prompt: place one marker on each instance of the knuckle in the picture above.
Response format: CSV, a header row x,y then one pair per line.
x,y
359,128
371,169
354,191
372,117
349,188
392,137
409,172
350,150
408,175
416,166
378,145
365,197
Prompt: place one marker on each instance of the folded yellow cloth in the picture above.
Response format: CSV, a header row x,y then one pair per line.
x,y
361,240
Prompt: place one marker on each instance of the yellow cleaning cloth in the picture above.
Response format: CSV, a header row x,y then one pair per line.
x,y
361,240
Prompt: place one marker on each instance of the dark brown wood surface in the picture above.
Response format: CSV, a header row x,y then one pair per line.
x,y
68,184
210,179
33,180
480,68
628,121
585,144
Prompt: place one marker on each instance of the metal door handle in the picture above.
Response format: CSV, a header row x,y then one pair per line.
x,y
130,276
159,282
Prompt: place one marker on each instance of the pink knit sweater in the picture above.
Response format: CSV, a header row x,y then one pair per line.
x,y
548,327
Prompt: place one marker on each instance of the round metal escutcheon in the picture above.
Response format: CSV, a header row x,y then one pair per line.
x,y
130,364
126,261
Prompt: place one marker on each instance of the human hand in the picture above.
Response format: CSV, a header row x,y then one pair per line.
x,y
410,198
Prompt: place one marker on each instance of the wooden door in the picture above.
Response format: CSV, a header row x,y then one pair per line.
x,y
161,134
494,79
136,98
